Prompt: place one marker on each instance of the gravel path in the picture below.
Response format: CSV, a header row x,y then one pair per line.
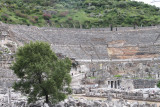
x,y
78,96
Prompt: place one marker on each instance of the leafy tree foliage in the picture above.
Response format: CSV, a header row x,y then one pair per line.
x,y
41,73
158,84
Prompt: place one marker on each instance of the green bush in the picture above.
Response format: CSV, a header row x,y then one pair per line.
x,y
91,8
1,52
5,17
118,76
46,16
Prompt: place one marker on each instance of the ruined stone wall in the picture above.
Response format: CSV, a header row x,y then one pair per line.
x,y
126,84
127,69
139,83
130,84
7,78
122,94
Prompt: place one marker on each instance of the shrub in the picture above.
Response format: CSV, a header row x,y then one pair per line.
x,y
118,76
18,13
92,77
91,8
5,17
46,16
32,20
63,14
122,4
36,18
24,21
106,11
6,50
70,18
1,52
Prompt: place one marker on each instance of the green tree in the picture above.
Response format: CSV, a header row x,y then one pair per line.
x,y
158,84
41,73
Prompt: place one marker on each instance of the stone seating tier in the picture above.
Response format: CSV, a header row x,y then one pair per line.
x,y
84,43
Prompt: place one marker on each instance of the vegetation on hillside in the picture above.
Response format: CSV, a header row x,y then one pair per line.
x,y
78,13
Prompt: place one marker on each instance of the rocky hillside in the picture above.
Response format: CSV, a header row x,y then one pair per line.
x,y
78,13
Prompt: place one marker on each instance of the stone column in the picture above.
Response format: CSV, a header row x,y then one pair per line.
x,y
9,97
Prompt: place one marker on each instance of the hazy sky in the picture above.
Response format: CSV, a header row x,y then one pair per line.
x,y
150,2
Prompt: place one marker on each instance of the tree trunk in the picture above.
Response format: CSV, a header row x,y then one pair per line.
x,y
47,100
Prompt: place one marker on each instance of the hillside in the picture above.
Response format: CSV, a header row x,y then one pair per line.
x,y
78,13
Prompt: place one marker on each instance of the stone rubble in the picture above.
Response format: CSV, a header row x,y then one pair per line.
x,y
142,94
71,102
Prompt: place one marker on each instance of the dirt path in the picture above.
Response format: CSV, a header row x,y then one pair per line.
x,y
77,96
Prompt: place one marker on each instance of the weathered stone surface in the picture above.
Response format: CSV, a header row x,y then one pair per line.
x,y
82,43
